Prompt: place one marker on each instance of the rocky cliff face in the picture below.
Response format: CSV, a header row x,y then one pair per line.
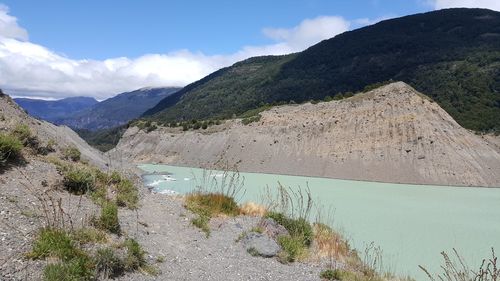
x,y
391,134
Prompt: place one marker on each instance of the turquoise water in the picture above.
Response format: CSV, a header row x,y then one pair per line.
x,y
412,224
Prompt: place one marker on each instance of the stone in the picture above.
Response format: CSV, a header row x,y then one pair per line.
x,y
261,245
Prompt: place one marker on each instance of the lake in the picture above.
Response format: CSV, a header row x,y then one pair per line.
x,y
411,223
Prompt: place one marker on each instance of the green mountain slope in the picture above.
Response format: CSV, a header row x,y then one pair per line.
x,y
451,55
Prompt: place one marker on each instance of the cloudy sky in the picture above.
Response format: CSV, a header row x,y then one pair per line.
x,y
58,48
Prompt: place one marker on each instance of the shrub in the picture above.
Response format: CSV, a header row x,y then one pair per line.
x,y
72,153
201,222
211,204
251,119
292,248
108,220
204,126
298,228
10,148
56,243
135,255
23,133
331,274
128,195
78,180
53,242
88,235
108,264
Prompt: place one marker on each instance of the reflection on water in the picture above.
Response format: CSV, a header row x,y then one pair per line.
x,y
412,224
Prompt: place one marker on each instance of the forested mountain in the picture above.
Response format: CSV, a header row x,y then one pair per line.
x,y
451,55
117,110
56,109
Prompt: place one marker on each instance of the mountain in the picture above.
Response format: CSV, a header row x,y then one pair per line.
x,y
391,134
452,55
57,109
118,110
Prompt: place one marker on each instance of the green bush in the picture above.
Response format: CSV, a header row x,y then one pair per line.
x,y
72,153
201,222
108,220
23,133
108,264
128,195
252,119
135,255
88,235
79,180
53,242
298,228
331,274
56,243
292,248
10,148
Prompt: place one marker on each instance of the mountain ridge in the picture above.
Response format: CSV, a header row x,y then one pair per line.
x,y
452,55
53,110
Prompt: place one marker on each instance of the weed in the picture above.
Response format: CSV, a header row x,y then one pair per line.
x,y
79,179
253,252
10,148
108,219
253,209
211,204
455,269
53,242
299,228
292,248
202,223
89,235
257,229
135,255
160,259
331,274
127,194
72,153
108,264
80,268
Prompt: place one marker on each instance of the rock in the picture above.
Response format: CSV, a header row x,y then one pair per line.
x,y
261,245
272,228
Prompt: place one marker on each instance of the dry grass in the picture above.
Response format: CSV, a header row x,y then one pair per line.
x,y
253,209
330,244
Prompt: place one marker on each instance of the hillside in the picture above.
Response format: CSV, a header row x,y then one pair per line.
x,y
57,109
451,55
391,134
118,110
91,219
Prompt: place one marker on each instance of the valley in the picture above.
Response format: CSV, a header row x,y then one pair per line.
x,y
372,155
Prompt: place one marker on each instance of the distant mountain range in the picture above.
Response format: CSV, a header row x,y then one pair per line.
x,y
57,109
451,55
88,114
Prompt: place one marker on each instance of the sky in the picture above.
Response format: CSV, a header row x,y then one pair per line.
x,y
57,48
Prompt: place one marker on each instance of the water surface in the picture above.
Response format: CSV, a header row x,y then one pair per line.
x,y
411,223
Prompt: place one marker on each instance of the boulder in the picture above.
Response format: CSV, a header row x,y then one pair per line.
x,y
261,245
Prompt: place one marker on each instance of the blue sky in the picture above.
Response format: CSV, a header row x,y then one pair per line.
x,y
61,48
102,29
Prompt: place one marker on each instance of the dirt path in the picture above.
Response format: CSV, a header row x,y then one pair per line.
x,y
190,256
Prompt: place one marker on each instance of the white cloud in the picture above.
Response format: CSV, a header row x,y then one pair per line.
x,y
9,27
28,69
488,4
309,31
